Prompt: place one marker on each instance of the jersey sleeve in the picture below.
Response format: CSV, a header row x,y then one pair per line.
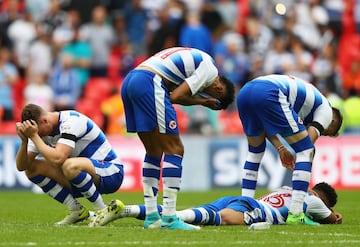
x,y
202,77
31,147
323,115
316,208
70,130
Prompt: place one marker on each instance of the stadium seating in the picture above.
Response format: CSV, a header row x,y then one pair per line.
x,y
91,109
7,127
98,89
95,91
230,123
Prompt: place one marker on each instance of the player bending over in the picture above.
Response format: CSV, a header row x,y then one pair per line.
x,y
282,105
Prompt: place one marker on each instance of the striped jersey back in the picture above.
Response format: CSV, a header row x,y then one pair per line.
x,y
83,135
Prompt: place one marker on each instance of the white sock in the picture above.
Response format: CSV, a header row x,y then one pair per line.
x,y
150,204
297,202
169,201
131,211
186,215
99,203
72,203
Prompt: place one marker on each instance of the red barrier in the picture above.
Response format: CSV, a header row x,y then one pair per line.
x,y
337,161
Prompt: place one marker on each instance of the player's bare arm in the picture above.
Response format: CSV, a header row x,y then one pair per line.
x,y
313,133
231,217
23,157
182,95
286,157
56,155
333,218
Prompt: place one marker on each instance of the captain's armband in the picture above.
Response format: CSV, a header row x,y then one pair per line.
x,y
318,127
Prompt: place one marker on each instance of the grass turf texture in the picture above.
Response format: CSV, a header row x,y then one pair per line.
x,y
26,220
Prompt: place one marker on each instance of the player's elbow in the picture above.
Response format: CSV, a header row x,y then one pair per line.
x,y
59,161
176,99
20,167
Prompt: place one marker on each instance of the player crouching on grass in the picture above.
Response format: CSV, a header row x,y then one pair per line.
x,y
76,159
241,210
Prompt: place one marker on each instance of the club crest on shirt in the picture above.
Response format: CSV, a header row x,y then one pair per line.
x,y
172,124
65,127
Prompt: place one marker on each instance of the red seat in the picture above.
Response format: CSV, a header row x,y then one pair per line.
x,y
7,128
114,66
98,89
183,119
230,122
91,109
139,60
18,96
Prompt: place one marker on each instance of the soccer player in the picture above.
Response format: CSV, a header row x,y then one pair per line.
x,y
177,75
282,105
67,155
242,210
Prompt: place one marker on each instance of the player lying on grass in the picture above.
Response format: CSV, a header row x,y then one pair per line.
x,y
241,210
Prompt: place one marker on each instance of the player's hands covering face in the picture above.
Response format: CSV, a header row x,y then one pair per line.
x,y
213,104
30,128
20,131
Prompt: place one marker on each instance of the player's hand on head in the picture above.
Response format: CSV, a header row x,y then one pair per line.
x,y
338,218
286,157
20,131
213,104
30,128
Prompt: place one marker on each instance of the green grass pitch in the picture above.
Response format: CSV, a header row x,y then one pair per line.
x,y
26,220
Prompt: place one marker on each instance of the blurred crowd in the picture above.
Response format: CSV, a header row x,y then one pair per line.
x,y
68,54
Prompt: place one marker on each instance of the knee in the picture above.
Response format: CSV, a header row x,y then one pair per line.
x,y
69,168
179,149
31,170
174,148
35,168
306,155
231,217
224,219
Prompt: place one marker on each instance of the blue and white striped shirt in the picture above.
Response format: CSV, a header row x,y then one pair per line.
x,y
306,99
179,64
83,135
276,205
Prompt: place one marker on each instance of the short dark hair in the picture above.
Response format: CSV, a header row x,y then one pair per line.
x,y
32,112
338,117
328,192
230,92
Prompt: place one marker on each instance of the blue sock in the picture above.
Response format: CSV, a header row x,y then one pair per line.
x,y
206,216
142,213
56,191
85,183
251,168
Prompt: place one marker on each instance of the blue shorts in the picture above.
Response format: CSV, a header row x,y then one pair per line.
x,y
147,103
242,204
111,177
237,203
266,108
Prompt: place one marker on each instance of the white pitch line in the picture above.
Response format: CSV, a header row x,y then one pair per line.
x,y
177,243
